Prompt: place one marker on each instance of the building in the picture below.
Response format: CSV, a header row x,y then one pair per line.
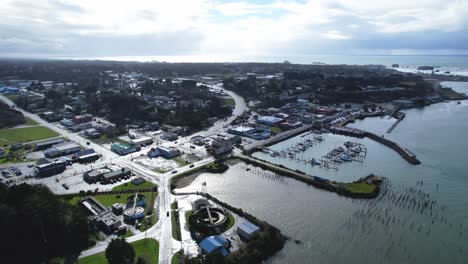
x,y
123,149
94,176
62,149
101,217
168,153
241,130
115,175
198,140
67,123
215,243
290,125
143,141
403,103
269,120
220,146
169,136
247,230
79,119
307,119
45,167
84,156
49,143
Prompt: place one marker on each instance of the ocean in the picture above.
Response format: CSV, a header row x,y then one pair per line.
x,y
455,64
420,216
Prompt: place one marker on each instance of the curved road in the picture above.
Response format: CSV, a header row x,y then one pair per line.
x,y
162,231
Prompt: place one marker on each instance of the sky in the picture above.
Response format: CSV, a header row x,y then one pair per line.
x,y
87,28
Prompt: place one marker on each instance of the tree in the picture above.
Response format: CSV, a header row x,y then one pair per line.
x,y
141,260
119,251
32,217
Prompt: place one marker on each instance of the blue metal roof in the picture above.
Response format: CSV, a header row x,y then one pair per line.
x,y
248,227
214,243
210,244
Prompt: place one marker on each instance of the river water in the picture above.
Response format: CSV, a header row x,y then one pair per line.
x,y
421,215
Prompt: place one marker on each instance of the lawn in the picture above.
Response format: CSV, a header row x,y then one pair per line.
x,y
110,199
25,134
176,258
30,122
147,248
231,222
16,157
180,161
276,130
175,222
131,186
229,101
360,187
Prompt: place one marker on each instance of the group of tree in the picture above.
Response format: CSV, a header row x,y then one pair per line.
x,y
39,227
10,117
119,251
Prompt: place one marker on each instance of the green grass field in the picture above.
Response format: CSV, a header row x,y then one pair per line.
x,y
30,122
229,101
276,130
360,187
176,258
26,134
231,222
131,186
147,248
110,199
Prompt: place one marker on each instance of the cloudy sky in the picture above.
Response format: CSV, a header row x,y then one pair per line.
x,y
219,27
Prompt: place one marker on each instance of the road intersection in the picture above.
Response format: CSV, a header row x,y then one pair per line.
x,y
162,230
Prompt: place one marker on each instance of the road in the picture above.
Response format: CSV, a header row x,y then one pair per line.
x,y
162,231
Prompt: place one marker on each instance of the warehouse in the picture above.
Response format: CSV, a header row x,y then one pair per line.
x,y
95,175
116,175
241,130
143,141
269,120
247,230
62,149
45,167
84,156
123,149
49,143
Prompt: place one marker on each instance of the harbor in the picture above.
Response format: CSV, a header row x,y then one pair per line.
x,y
419,216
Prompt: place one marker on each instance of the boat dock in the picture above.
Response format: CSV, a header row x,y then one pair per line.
x,y
399,116
404,152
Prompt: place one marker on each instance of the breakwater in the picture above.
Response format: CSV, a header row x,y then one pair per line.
x,y
339,188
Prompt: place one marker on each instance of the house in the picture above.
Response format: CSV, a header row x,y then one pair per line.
x,y
215,243
67,123
168,153
247,230
169,136
220,146
79,119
